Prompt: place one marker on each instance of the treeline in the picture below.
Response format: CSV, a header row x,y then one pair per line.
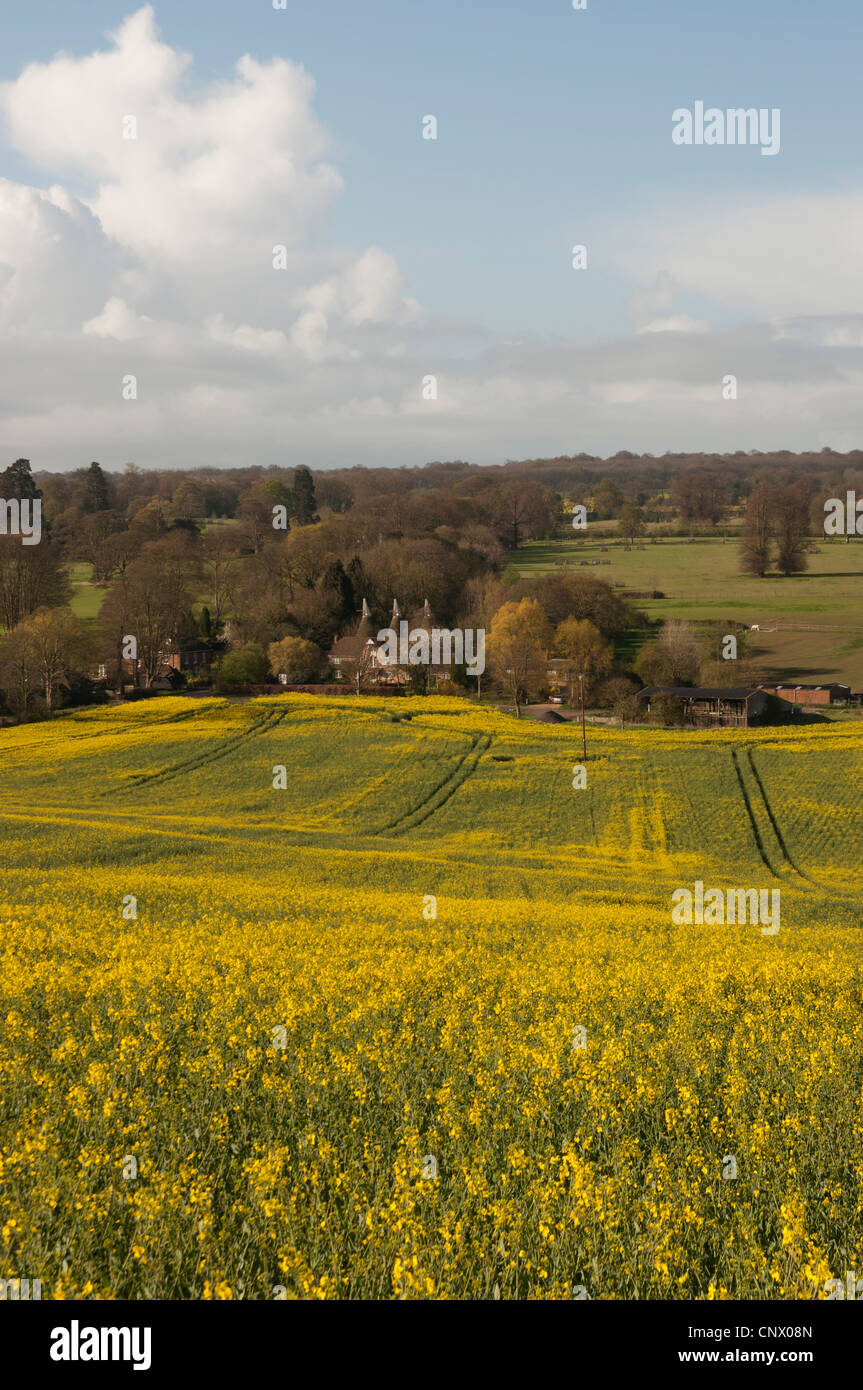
x,y
516,501
699,483
235,564
238,560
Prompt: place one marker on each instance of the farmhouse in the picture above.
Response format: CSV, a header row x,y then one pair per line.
x,y
734,707
357,650
362,650
188,656
177,658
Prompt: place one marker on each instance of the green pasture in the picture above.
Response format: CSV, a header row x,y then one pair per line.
x,y
701,581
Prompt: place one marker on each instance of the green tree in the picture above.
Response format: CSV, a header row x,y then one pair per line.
x,y
280,496
338,590
607,499
305,505
17,481
246,665
95,494
296,659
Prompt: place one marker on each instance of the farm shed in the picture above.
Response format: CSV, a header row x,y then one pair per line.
x,y
833,694
734,707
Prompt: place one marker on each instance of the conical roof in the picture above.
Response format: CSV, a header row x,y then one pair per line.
x,y
365,631
424,617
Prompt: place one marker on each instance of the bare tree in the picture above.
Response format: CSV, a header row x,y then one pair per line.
x,y
365,663
31,577
522,510
757,533
148,602
41,653
61,644
219,563
19,676
675,659
631,524
792,528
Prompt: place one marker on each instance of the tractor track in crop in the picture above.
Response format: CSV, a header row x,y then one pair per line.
x,y
756,832
784,861
98,729
228,746
440,794
774,822
841,897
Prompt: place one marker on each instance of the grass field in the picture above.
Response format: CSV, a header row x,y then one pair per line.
x,y
87,597
281,1079
820,612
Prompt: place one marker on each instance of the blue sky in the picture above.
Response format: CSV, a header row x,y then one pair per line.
x,y
554,128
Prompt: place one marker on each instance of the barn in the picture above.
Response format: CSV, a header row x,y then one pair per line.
x,y
733,707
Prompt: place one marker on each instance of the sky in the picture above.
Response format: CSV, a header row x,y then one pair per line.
x,y
425,305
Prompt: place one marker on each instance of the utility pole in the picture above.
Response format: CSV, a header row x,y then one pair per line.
x,y
583,731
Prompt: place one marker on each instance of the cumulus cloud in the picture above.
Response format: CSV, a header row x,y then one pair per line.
x,y
197,256
118,321
209,211
55,260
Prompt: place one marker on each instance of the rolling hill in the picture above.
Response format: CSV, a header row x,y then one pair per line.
x,y
419,1023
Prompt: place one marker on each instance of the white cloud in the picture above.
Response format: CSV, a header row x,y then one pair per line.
x,y
54,260
245,338
154,256
676,323
842,330
118,321
776,256
197,201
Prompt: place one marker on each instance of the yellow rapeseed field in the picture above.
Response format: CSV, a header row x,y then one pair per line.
x,y
418,1024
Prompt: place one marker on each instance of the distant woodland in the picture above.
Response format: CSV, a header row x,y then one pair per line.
x,y
193,556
